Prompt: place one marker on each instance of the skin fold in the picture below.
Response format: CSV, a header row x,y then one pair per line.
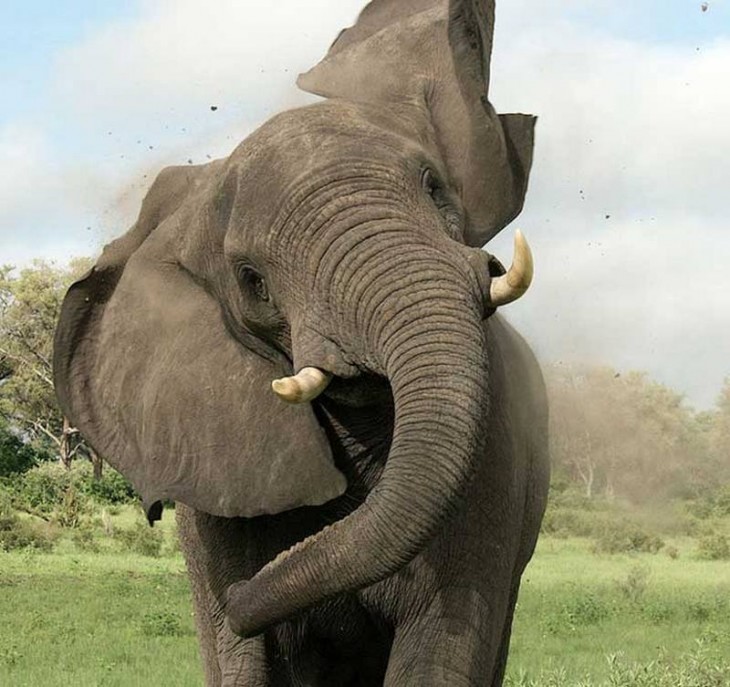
x,y
375,535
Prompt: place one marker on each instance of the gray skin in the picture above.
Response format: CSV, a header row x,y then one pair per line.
x,y
378,534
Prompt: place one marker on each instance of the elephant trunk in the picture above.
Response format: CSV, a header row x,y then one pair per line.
x,y
430,343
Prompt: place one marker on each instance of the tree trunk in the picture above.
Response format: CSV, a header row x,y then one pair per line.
x,y
97,462
64,447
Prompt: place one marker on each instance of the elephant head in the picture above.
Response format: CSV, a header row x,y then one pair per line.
x,y
339,241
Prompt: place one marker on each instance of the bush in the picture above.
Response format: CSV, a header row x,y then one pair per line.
x,y
83,538
53,492
17,533
722,501
714,547
586,610
564,522
42,489
627,537
141,539
7,512
74,508
112,489
15,455
635,584
27,535
711,504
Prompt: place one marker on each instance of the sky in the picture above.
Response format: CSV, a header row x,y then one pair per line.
x,y
627,208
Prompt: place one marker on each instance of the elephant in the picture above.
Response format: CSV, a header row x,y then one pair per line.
x,y
299,345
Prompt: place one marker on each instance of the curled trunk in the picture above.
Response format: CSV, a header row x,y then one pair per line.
x,y
433,353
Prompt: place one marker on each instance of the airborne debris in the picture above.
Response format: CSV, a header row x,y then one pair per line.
x,y
213,108
704,6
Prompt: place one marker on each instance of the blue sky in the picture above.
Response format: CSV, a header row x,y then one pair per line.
x,y
632,99
31,35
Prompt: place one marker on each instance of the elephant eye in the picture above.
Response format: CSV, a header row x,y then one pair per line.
x,y
442,200
253,282
428,181
435,189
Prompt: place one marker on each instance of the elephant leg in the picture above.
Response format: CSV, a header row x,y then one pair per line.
x,y
228,660
501,664
454,642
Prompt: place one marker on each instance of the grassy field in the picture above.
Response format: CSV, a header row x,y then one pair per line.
x,y
73,617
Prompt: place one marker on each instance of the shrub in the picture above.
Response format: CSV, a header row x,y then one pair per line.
x,y
626,537
112,489
15,455
141,539
45,488
7,513
563,522
587,609
42,489
658,611
83,538
711,504
635,584
27,535
17,533
73,509
714,547
722,501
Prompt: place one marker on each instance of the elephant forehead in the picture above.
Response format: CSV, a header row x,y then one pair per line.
x,y
331,133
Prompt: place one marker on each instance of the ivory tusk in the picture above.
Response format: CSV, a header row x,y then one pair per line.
x,y
509,287
305,386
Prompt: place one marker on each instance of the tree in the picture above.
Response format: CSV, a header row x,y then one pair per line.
x,y
16,456
625,434
719,435
30,302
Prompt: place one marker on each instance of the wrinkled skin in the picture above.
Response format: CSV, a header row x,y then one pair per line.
x,y
378,534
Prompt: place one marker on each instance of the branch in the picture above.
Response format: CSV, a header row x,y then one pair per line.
x,y
18,334
33,369
47,432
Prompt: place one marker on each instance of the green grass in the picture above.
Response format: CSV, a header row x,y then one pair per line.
x,y
93,619
72,617
577,608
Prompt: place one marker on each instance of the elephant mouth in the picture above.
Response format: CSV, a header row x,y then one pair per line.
x,y
360,391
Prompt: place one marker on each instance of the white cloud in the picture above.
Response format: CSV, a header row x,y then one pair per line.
x,y
631,130
181,52
23,154
627,205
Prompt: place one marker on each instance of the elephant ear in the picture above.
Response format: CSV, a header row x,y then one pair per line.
x,y
435,54
146,369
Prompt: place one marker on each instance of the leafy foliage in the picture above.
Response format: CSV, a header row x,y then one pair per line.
x,y
30,302
715,547
65,496
627,537
142,539
17,456
18,533
112,488
626,436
